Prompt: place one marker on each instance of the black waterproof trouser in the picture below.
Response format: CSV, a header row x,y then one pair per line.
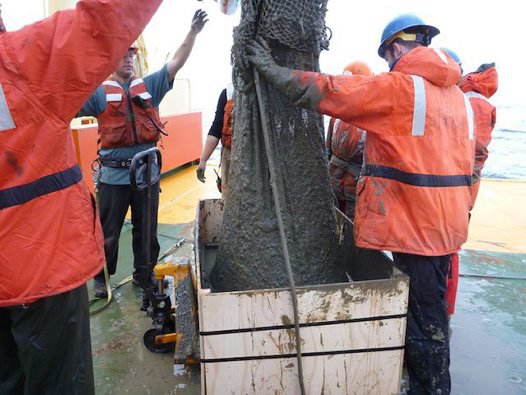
x,y
45,347
114,201
427,333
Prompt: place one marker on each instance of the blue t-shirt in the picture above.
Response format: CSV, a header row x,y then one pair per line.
x,y
157,85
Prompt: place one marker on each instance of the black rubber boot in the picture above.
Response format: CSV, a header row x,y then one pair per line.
x,y
99,287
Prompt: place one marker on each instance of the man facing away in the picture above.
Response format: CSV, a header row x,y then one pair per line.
x,y
479,86
413,194
126,110
50,233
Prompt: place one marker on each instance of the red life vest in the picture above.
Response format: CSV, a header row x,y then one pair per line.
x,y
226,132
346,146
346,141
479,87
125,122
51,239
413,196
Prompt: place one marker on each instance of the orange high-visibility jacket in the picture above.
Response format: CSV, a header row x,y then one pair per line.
x,y
479,87
226,132
346,141
50,236
413,196
124,122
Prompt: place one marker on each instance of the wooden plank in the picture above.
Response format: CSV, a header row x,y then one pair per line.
x,y
334,302
210,220
337,338
366,373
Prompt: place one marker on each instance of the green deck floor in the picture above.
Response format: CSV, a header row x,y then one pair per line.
x,y
122,364
488,344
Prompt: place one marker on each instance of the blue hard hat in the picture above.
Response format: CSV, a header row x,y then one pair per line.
x,y
453,55
423,33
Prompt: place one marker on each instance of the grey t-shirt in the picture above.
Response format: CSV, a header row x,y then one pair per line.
x,y
157,85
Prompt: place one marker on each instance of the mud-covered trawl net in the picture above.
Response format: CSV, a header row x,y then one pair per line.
x,y
251,255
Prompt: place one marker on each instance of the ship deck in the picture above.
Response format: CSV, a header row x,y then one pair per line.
x,y
489,327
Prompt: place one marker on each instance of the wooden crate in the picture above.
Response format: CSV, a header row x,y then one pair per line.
x,y
352,334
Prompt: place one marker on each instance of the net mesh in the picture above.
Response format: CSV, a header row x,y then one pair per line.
x,y
297,25
250,255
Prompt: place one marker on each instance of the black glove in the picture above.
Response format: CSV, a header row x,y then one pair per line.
x,y
201,174
199,21
282,78
258,53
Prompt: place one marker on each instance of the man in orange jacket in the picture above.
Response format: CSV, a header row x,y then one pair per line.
x,y
345,144
51,237
413,194
478,86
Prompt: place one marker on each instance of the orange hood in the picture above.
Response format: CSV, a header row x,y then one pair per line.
x,y
484,82
431,64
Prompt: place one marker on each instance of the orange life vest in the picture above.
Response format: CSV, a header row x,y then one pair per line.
x,y
346,141
479,87
51,239
346,146
413,196
125,122
226,132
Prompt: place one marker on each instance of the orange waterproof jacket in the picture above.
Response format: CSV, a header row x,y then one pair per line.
x,y
124,122
51,240
479,87
413,196
226,132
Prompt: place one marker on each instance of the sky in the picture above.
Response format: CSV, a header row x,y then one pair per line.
x,y
479,32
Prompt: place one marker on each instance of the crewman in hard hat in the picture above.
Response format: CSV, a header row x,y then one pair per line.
x,y
455,57
479,86
126,108
221,130
51,237
414,190
345,144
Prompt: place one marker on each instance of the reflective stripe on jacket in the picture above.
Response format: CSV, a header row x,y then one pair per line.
x,y
125,122
479,87
414,194
51,240
226,132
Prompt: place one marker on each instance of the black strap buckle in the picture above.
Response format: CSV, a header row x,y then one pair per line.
x,y
115,163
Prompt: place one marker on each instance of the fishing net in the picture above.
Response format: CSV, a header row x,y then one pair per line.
x,y
251,255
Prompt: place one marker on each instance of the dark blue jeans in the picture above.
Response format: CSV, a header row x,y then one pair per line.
x,y
427,334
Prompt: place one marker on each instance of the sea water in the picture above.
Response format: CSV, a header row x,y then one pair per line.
x,y
507,150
